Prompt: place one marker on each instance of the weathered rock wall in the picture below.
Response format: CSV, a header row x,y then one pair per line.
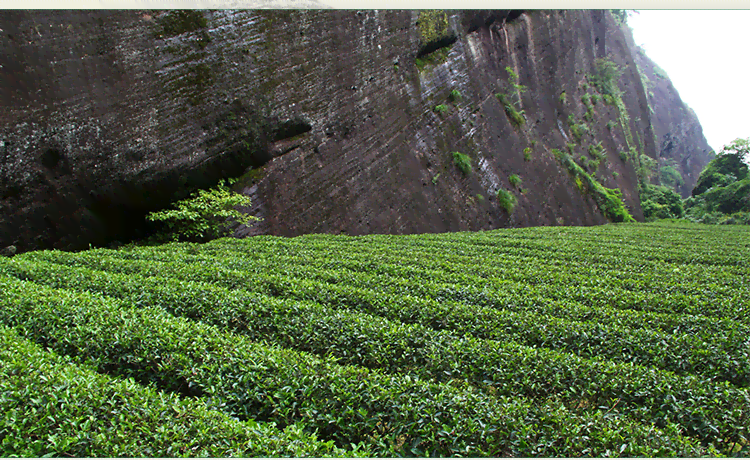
x,y
681,144
329,117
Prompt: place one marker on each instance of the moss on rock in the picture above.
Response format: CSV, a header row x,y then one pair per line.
x,y
182,21
433,26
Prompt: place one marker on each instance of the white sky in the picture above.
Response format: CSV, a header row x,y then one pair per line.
x,y
705,54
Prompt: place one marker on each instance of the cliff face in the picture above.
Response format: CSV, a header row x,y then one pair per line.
x,y
336,121
679,135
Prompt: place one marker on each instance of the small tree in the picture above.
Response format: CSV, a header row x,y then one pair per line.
x,y
205,214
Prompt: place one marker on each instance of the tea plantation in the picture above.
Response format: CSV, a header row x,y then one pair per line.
x,y
618,340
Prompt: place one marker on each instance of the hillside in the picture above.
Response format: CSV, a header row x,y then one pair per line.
x,y
680,143
336,121
551,341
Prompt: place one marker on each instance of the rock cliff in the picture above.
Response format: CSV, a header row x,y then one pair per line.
x,y
680,143
334,121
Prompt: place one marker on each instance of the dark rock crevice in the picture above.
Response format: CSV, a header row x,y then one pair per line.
x,y
290,128
55,160
431,47
599,20
485,18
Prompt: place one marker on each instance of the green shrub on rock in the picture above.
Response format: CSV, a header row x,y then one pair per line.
x,y
506,200
463,162
205,214
515,180
514,115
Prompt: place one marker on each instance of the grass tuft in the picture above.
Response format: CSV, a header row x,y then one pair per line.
x,y
506,200
463,162
514,115
515,180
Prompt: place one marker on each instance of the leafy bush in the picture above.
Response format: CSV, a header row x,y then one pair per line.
x,y
515,180
435,58
723,187
670,177
463,162
441,108
737,218
514,115
205,214
653,211
732,198
659,202
454,96
577,129
695,211
433,26
726,168
610,200
527,154
506,200
511,74
514,81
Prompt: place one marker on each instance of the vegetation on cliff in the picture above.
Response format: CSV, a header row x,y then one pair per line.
x,y
608,200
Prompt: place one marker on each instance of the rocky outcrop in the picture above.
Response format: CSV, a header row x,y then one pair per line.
x,y
679,135
334,121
